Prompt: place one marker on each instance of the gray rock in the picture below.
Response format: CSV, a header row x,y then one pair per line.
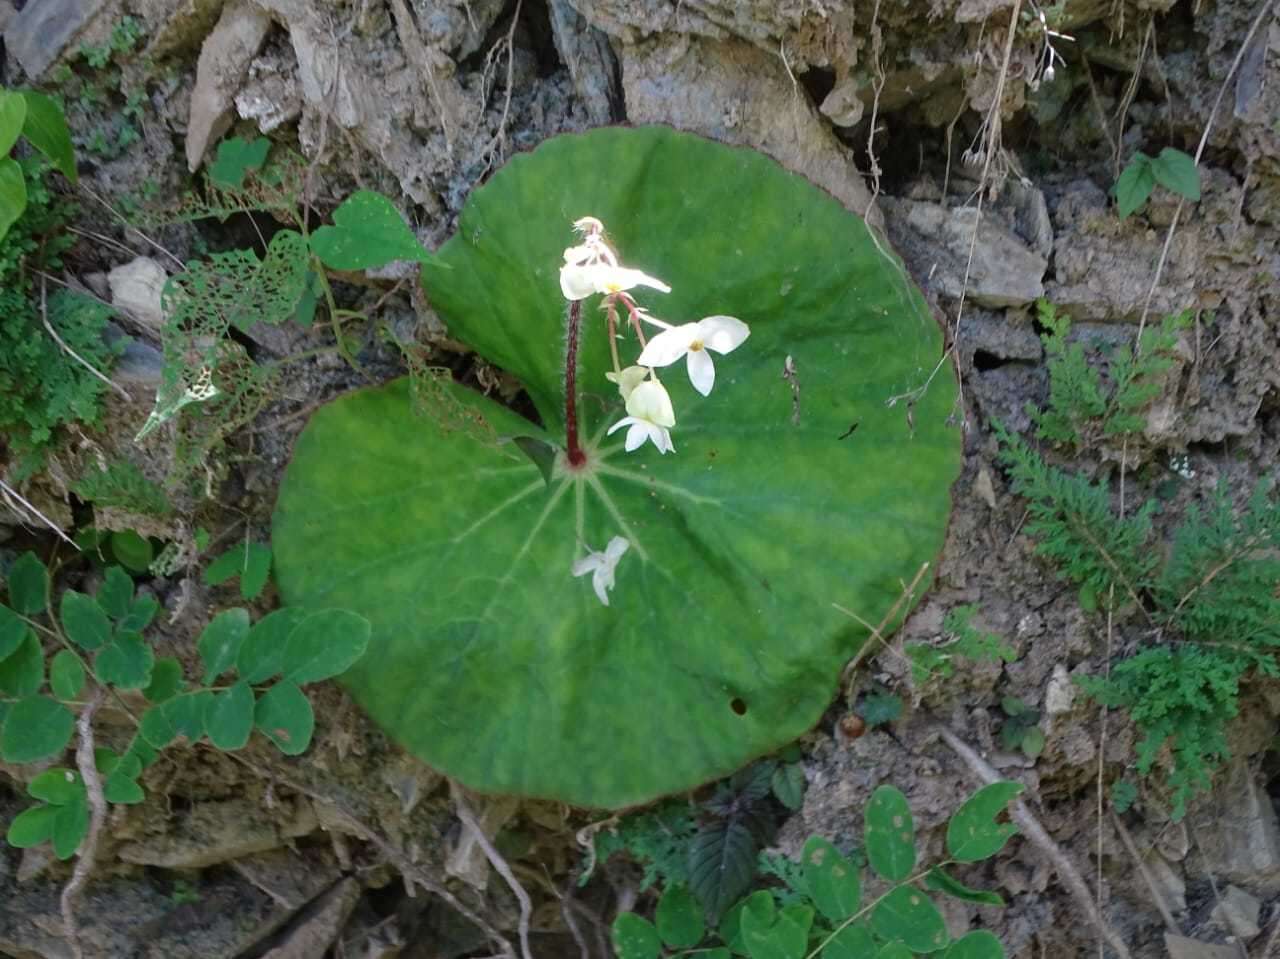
x,y
1237,913
591,62
1237,831
136,288
44,29
1180,947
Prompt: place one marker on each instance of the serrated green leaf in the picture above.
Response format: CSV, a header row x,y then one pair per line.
x,y
679,917
122,790
236,158
12,632
84,621
220,642
325,644
851,942
66,675
979,944
35,728
908,916
141,611
31,827
46,129
13,194
166,680
890,834
126,662
230,718
284,716
832,881
262,654
22,673
70,825
1177,172
132,550
1134,185
788,785
367,232
28,585
722,863
942,881
635,937
116,592
973,833
57,787
13,113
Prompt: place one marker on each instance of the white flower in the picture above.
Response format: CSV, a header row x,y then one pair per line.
x,y
628,379
720,333
580,280
650,416
601,566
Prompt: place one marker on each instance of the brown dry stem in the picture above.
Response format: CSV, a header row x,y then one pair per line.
x,y
88,768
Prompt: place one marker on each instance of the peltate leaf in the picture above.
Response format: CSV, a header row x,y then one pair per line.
x,y
262,655
367,232
324,644
978,944
35,728
1177,172
488,659
12,631
31,826
679,917
220,642
66,675
84,621
13,112
22,673
284,715
126,662
28,585
230,717
634,937
973,832
46,130
939,879
832,881
890,834
908,916
722,863
13,194
1134,185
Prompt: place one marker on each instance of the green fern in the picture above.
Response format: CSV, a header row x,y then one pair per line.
x,y
121,485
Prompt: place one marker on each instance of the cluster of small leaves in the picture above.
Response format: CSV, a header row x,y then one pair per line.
x,y
1173,169
1084,405
820,910
251,680
248,562
1211,593
964,640
1021,727
93,83
122,485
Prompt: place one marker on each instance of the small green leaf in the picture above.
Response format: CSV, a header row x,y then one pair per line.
x,y
908,916
262,654
679,917
22,673
138,756
973,832
1123,795
978,944
126,663
788,785
182,715
141,611
250,561
1134,185
942,881
133,551
851,942
70,824
12,632
890,834
122,790
230,718
236,158
880,708
220,642
1032,742
85,622
166,680
325,644
36,728
13,113
13,195
784,938
31,827
833,883
57,787
368,231
46,130
66,675
1088,598
116,592
1177,172
635,937
28,585
284,715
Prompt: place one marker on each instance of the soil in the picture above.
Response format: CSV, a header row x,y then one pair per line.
x,y
343,852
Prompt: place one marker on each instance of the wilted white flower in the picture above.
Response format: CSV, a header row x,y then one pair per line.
x,y
650,417
601,566
720,333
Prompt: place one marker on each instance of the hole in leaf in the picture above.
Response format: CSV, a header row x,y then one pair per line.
x,y
738,706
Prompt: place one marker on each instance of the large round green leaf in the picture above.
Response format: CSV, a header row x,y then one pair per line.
x,y
488,659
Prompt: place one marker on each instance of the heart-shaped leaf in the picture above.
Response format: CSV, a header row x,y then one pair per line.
x,y
367,232
1134,185
1176,171
488,658
890,834
973,832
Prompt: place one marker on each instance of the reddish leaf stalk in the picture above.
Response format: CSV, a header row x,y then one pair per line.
x,y
576,456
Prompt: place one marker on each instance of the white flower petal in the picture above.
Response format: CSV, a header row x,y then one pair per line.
x,y
636,436
662,439
616,279
702,371
668,346
650,401
587,564
625,421
628,379
578,255
617,546
577,282
602,582
722,333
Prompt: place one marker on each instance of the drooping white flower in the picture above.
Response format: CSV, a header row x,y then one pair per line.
x,y
650,416
601,566
580,280
720,333
628,379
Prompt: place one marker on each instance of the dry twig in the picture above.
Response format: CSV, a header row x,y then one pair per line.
x,y
499,863
1143,868
88,768
877,632
11,494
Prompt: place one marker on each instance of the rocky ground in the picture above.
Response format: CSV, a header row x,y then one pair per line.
x,y
888,106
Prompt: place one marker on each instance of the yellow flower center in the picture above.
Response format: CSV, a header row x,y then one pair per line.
x,y
695,345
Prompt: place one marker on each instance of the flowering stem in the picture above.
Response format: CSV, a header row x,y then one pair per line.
x,y
613,336
574,451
